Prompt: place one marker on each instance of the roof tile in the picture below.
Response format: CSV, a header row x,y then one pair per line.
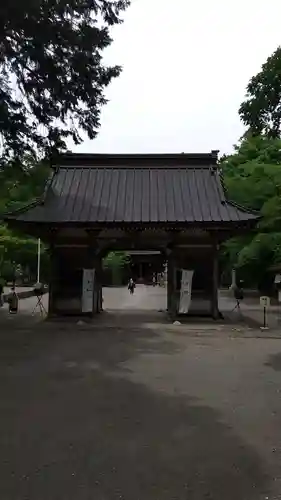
x,y
101,193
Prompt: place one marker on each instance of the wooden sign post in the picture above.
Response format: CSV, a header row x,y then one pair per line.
x,y
265,303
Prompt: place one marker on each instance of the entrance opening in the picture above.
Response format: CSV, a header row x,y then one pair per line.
x,y
147,269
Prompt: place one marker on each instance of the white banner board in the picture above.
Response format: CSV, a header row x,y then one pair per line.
x,y
88,290
185,293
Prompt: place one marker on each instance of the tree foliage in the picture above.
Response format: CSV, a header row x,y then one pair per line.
x,y
261,111
253,173
253,178
116,262
18,187
52,82
52,76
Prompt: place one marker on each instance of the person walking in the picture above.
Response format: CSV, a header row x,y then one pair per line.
x,y
131,286
13,301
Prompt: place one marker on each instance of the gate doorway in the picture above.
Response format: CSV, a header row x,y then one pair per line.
x,y
147,269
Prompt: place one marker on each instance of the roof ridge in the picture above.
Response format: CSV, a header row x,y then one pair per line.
x,y
24,208
243,209
212,154
135,160
233,203
140,167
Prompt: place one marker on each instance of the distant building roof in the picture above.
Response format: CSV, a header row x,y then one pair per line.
x,y
177,188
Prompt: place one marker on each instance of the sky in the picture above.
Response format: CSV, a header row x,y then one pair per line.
x,y
186,65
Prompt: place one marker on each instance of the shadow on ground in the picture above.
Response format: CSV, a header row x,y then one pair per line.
x,y
274,361
73,427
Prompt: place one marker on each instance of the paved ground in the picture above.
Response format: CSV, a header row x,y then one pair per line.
x,y
149,298
154,299
144,297
139,411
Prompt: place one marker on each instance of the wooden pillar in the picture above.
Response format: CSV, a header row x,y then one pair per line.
x,y
95,266
51,283
175,294
98,267
171,289
170,285
64,283
100,303
215,284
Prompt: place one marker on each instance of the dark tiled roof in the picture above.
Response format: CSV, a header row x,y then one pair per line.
x,y
147,188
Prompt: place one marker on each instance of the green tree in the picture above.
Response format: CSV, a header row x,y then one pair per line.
x,y
253,178
116,262
52,77
261,111
19,186
253,174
